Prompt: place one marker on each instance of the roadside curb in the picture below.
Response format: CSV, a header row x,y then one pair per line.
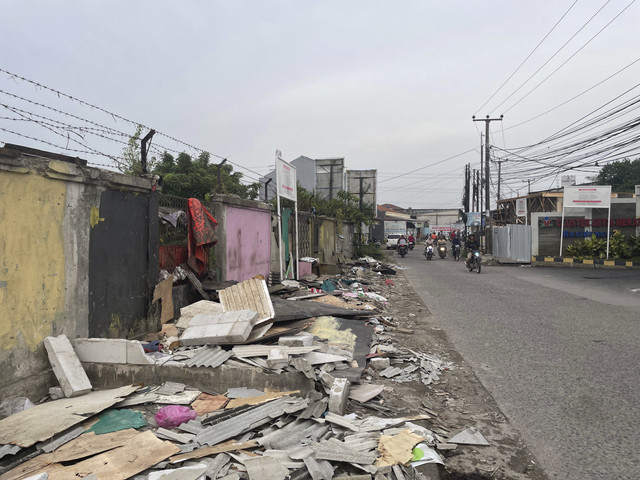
x,y
542,261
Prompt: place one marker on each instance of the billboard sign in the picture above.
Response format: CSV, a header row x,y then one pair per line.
x,y
286,176
362,184
395,227
474,219
587,197
521,207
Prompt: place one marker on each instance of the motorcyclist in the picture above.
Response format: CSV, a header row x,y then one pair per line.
x,y
402,241
471,245
455,241
411,239
429,241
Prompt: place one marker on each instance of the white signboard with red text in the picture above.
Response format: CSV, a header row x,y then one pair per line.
x,y
587,196
286,177
521,207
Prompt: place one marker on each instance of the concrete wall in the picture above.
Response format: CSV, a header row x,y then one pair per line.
x,y
325,240
48,211
244,238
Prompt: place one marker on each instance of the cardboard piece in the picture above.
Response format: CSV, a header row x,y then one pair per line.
x,y
397,449
163,292
269,395
206,403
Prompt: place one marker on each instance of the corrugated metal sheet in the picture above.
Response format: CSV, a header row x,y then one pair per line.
x,y
512,243
242,351
248,295
234,425
209,357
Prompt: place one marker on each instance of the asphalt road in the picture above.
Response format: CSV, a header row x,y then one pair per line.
x,y
558,348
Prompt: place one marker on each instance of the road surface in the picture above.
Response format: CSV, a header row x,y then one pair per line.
x,y
558,348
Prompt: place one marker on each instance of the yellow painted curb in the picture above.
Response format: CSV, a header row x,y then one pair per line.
x,y
587,262
567,260
609,263
548,259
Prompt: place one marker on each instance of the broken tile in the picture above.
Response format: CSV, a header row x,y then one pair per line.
x,y
364,393
66,366
265,468
191,472
379,363
277,358
220,328
469,436
176,437
243,392
339,395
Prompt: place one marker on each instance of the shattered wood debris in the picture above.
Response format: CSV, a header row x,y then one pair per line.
x,y
327,335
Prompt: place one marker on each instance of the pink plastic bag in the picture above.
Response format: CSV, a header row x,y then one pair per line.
x,y
174,415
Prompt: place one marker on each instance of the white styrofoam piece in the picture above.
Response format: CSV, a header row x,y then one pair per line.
x,y
66,366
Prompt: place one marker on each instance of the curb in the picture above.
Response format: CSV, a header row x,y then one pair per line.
x,y
542,261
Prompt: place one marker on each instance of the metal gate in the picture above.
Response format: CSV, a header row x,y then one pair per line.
x,y
512,243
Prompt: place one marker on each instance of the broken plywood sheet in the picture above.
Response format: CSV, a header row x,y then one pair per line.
x,y
397,449
80,447
207,403
27,428
140,452
268,396
250,294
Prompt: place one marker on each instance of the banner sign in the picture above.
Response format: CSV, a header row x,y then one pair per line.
x,y
286,176
587,197
474,219
521,207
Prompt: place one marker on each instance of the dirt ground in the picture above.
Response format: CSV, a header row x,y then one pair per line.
x,y
458,398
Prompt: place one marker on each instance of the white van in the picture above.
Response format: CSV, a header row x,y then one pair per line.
x,y
392,240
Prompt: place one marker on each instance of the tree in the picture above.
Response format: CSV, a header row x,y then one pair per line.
x,y
622,175
132,164
183,176
186,177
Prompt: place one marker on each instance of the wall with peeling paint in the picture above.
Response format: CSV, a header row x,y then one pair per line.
x,y
48,210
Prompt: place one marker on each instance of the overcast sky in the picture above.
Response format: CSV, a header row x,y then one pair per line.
x,y
390,85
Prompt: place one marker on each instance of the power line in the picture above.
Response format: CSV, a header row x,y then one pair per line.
x,y
552,57
427,166
525,60
571,57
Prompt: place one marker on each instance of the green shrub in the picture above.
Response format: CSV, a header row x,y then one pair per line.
x,y
589,248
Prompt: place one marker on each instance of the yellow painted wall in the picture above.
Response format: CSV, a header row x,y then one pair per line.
x,y
327,241
32,263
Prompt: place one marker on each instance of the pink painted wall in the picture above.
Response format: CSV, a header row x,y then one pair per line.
x,y
248,235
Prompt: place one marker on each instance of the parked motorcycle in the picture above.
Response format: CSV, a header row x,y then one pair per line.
x,y
428,252
475,263
402,250
442,251
456,252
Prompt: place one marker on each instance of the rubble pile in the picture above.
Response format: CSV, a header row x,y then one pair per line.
x,y
332,330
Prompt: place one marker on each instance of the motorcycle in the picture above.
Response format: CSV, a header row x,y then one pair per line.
x,y
456,252
475,263
442,251
402,250
411,245
428,252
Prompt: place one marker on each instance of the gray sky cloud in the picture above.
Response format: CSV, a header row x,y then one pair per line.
x,y
387,85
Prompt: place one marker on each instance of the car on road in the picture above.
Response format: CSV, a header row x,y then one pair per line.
x,y
392,240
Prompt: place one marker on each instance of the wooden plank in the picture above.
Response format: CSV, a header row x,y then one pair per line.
x,y
230,446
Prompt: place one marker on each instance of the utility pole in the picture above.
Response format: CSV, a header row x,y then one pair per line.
x,y
331,181
487,154
529,187
220,174
266,189
144,150
499,162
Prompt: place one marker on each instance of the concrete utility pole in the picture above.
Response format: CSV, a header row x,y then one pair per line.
x,y
499,162
487,154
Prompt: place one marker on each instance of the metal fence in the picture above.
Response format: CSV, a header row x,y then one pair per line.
x,y
173,224
512,243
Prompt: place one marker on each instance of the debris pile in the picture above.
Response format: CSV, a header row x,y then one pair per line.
x,y
327,329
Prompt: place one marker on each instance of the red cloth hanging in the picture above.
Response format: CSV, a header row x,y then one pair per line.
x,y
201,236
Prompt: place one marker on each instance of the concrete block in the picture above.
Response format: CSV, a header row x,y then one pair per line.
x,y
296,341
339,395
379,363
101,350
56,393
66,366
277,358
110,350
